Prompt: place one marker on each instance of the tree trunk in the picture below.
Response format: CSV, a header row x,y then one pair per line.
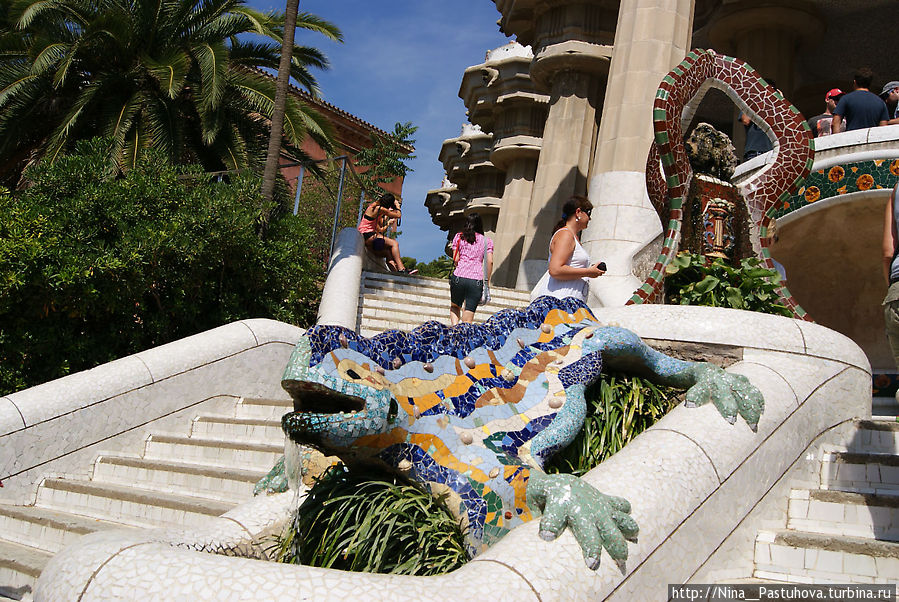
x,y
283,85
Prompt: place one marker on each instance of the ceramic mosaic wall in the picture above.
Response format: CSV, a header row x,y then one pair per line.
x,y
764,195
842,179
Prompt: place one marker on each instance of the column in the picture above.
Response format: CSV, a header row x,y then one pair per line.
x,y
651,38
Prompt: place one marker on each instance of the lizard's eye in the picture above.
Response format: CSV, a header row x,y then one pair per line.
x,y
352,374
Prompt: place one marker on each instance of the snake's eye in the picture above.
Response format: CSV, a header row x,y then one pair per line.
x,y
352,374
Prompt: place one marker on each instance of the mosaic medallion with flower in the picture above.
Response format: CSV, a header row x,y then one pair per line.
x,y
865,181
812,194
836,173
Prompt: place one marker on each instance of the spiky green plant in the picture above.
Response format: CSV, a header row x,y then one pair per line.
x,y
181,77
619,408
368,521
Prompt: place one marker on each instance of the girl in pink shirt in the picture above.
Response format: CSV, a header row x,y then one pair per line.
x,y
470,246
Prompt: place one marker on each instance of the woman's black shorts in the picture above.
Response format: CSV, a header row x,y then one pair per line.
x,y
465,290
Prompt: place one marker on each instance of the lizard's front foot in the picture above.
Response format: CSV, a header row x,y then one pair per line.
x,y
732,394
597,520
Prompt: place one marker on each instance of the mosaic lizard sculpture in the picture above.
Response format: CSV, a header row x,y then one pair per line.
x,y
474,411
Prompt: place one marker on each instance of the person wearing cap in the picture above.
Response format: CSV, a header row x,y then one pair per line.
x,y
821,124
890,96
861,108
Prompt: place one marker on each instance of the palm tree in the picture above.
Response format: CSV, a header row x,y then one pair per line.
x,y
182,76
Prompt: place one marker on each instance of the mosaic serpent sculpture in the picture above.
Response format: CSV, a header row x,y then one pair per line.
x,y
474,411
766,193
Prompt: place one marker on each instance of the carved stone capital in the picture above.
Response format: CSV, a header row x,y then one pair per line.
x,y
571,55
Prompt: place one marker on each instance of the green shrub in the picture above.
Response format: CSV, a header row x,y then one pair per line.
x,y
368,521
94,267
693,280
619,408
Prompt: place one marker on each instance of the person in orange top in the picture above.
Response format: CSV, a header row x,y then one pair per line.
x,y
372,230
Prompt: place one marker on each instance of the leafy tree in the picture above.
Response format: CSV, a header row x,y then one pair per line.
x,y
178,76
386,159
440,267
95,268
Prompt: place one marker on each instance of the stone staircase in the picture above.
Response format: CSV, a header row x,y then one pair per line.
x,y
389,300
847,530
175,479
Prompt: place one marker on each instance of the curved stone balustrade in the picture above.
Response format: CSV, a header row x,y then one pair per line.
x,y
830,234
694,482
57,426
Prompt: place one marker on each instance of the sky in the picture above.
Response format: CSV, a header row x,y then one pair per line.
x,y
402,60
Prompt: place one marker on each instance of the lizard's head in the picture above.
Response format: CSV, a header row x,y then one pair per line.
x,y
336,399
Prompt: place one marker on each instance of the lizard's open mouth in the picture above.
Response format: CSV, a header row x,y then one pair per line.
x,y
319,399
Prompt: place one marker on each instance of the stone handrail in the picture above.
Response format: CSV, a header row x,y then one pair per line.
x,y
58,425
857,145
692,479
340,296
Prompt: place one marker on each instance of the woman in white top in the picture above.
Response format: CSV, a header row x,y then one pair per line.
x,y
569,264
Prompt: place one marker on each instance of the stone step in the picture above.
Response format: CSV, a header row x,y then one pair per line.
x,y
271,409
244,455
861,472
20,566
436,307
800,557
880,436
438,294
829,512
46,529
232,428
223,483
130,505
434,286
411,316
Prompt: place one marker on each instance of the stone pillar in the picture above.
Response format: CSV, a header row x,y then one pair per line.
x,y
652,37
767,36
571,41
501,98
447,208
466,160
562,169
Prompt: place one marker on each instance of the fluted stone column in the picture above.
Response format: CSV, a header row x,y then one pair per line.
x,y
652,37
571,41
501,98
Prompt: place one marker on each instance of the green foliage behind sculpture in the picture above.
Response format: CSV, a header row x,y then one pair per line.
x,y
619,407
693,280
95,267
